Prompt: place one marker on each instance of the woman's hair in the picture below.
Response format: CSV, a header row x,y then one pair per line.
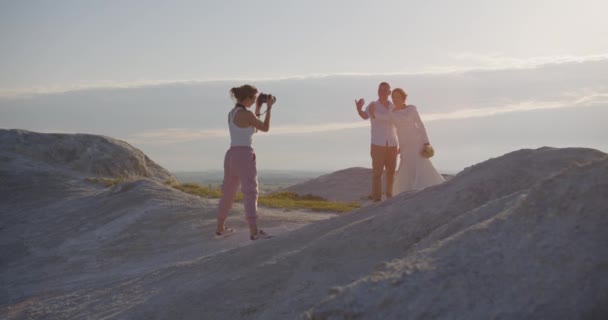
x,y
400,92
243,92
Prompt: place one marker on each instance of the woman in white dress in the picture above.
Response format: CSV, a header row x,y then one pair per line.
x,y
415,170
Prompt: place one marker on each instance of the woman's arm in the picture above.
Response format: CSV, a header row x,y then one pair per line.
x,y
420,126
258,124
244,119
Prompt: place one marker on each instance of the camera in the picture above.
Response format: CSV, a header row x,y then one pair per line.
x,y
264,97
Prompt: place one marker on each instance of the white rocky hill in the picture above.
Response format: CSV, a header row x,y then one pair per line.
x,y
82,154
63,237
352,184
521,236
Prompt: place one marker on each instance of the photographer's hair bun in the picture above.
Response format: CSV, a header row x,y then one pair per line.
x,y
243,92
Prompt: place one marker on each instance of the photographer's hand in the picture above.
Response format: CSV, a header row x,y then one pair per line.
x,y
270,101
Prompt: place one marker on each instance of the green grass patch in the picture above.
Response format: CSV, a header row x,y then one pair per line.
x,y
284,200
202,191
290,200
107,182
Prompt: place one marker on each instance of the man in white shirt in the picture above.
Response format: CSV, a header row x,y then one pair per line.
x,y
384,147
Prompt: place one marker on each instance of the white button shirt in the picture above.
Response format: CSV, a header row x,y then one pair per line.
x,y
383,131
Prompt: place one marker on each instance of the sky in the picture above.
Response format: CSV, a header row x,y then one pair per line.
x,y
156,74
61,44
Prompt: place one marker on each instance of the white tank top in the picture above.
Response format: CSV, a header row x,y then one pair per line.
x,y
239,136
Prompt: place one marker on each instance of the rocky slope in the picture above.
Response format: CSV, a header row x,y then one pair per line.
x,y
518,236
352,184
84,154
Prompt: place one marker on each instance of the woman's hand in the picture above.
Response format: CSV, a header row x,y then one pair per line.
x,y
270,101
427,151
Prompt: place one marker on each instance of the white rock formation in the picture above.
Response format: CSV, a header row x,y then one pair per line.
x,y
537,253
521,236
352,184
83,154
349,185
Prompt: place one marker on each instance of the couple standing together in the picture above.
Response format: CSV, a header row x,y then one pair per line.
x,y
396,129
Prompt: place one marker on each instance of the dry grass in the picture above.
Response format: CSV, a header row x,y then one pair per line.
x,y
285,200
108,182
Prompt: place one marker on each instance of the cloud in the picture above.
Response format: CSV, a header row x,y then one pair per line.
x,y
467,62
175,135
179,135
495,61
587,100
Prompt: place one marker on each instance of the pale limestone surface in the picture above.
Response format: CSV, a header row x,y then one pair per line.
x,y
347,185
352,184
521,236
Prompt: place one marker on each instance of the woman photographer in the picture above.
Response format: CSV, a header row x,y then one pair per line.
x,y
240,162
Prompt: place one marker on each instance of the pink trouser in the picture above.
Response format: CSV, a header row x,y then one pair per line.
x,y
239,167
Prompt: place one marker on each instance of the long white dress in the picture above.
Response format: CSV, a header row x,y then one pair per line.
x,y
415,171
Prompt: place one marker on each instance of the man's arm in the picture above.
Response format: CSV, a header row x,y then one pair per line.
x,y
359,103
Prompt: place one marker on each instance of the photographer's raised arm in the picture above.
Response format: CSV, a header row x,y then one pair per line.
x,y
258,124
245,119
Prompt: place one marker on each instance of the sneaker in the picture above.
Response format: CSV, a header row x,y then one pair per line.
x,y
260,235
225,233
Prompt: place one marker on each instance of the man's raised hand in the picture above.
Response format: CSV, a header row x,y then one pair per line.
x,y
360,103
